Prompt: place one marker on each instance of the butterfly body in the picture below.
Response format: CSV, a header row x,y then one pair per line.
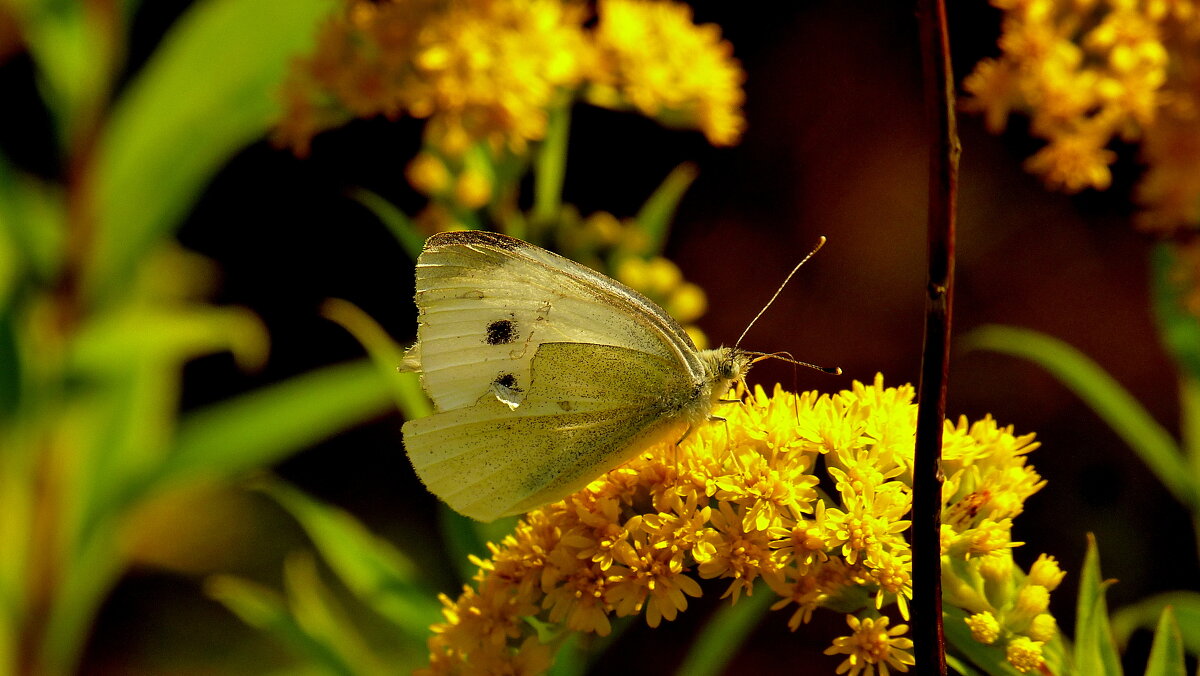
x,y
544,374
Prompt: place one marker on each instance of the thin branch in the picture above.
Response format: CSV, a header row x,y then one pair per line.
x,y
927,634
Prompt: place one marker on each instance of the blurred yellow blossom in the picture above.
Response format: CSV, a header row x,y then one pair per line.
x,y
1089,72
490,70
740,501
653,57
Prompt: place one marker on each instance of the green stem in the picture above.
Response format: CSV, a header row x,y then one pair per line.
x,y
550,167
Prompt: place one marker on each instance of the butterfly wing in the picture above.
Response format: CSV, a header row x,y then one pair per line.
x,y
588,408
487,301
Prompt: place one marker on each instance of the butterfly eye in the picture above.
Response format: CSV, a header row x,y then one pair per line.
x,y
501,332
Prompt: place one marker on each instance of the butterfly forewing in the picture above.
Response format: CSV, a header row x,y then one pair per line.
x,y
587,409
488,301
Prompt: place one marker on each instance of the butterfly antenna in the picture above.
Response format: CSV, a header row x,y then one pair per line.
x,y
762,356
820,243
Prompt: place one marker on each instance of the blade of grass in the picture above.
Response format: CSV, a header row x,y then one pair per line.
x,y
724,633
1095,649
262,427
1166,653
378,573
655,216
1144,614
208,90
1104,395
396,221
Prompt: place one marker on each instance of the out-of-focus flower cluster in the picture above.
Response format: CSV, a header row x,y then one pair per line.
x,y
807,493
1089,71
488,70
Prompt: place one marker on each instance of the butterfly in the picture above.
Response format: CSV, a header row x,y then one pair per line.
x,y
544,374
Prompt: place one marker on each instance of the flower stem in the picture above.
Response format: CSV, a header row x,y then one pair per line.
x,y
928,637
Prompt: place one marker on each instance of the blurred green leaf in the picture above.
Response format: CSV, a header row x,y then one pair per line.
x,y
1178,328
724,633
1146,613
1105,396
209,89
373,569
396,221
265,609
386,354
323,618
166,337
32,228
257,429
74,45
654,218
1166,653
990,658
1095,649
961,667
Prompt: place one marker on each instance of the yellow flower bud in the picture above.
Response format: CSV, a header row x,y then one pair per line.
x,y
1045,572
474,189
1024,655
428,174
984,627
662,276
687,303
1043,628
634,273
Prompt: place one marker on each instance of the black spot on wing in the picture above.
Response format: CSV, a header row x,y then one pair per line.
x,y
501,332
507,381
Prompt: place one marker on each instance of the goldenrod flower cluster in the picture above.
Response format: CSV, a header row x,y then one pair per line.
x,y
1089,71
489,70
808,493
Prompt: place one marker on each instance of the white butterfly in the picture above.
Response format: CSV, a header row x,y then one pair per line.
x,y
544,374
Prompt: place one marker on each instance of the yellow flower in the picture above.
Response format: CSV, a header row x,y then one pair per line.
x,y
654,58
984,627
480,70
1024,654
872,647
1086,72
738,501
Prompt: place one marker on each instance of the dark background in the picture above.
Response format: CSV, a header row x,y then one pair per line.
x,y
834,146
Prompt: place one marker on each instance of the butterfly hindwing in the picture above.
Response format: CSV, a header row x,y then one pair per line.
x,y
586,409
488,301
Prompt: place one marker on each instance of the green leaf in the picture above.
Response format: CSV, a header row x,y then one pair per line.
x,y
1095,649
961,667
396,221
373,569
265,609
32,229
654,218
1179,328
209,89
386,354
1144,614
320,615
75,48
1105,396
724,633
1166,653
989,658
257,429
